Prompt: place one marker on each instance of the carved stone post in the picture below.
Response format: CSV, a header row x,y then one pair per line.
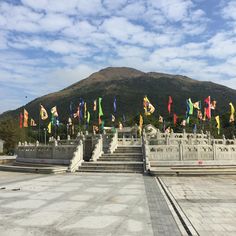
x,y
180,151
214,151
224,140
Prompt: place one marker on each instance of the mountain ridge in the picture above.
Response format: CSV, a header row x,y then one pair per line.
x,y
130,85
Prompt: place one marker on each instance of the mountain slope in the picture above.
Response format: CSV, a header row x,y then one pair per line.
x,y
129,86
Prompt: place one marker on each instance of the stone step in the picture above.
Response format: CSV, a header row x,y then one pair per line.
x,y
122,155
111,171
128,150
110,164
119,159
34,169
193,171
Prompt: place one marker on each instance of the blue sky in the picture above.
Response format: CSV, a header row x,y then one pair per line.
x,y
46,45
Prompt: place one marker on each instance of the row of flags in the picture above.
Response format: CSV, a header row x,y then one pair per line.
x,y
24,119
82,112
190,106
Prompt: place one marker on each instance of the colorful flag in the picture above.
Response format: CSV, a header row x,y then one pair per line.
x,y
85,110
77,114
43,113
81,109
208,107
88,117
140,121
148,107
175,119
54,111
213,105
71,109
50,127
99,120
195,129
232,112
199,115
169,104
21,120
57,122
197,105
123,118
26,117
189,107
32,122
100,112
160,119
114,105
69,121
217,118
95,105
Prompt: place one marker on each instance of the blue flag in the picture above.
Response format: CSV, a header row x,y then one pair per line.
x,y
114,104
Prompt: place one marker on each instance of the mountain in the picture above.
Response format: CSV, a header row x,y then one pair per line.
x,y
129,86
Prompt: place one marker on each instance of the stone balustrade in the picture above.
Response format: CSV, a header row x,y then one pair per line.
x,y
129,141
77,159
114,142
98,149
187,147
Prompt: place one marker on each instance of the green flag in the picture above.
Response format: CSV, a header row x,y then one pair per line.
x,y
88,117
190,106
100,112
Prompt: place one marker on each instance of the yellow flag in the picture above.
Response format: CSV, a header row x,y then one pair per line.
x,y
148,107
232,111
43,113
50,127
217,118
140,121
32,122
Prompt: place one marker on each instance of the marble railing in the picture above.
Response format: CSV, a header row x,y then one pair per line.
x,y
114,142
77,159
129,141
98,149
185,152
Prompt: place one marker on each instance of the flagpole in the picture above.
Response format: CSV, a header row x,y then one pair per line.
x,y
39,122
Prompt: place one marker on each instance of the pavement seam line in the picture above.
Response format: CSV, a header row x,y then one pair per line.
x,y
178,210
175,216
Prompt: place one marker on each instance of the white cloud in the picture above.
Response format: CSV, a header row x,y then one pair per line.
x,y
46,46
174,10
229,11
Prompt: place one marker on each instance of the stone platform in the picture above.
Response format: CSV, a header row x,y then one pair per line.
x,y
82,204
116,204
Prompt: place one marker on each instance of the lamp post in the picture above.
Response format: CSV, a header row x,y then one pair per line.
x,y
45,136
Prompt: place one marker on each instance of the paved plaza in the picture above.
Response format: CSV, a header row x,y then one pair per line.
x,y
114,204
209,202
79,204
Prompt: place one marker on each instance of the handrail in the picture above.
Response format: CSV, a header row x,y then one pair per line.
x,y
98,149
77,159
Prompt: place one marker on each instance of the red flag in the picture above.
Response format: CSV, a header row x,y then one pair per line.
x,y
26,116
21,120
208,107
175,119
169,104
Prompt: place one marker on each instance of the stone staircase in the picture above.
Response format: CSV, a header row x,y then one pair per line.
x,y
125,159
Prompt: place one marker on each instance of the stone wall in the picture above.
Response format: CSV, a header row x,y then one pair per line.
x,y
1,146
179,147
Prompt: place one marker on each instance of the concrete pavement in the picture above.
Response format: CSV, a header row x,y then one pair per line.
x,y
74,204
